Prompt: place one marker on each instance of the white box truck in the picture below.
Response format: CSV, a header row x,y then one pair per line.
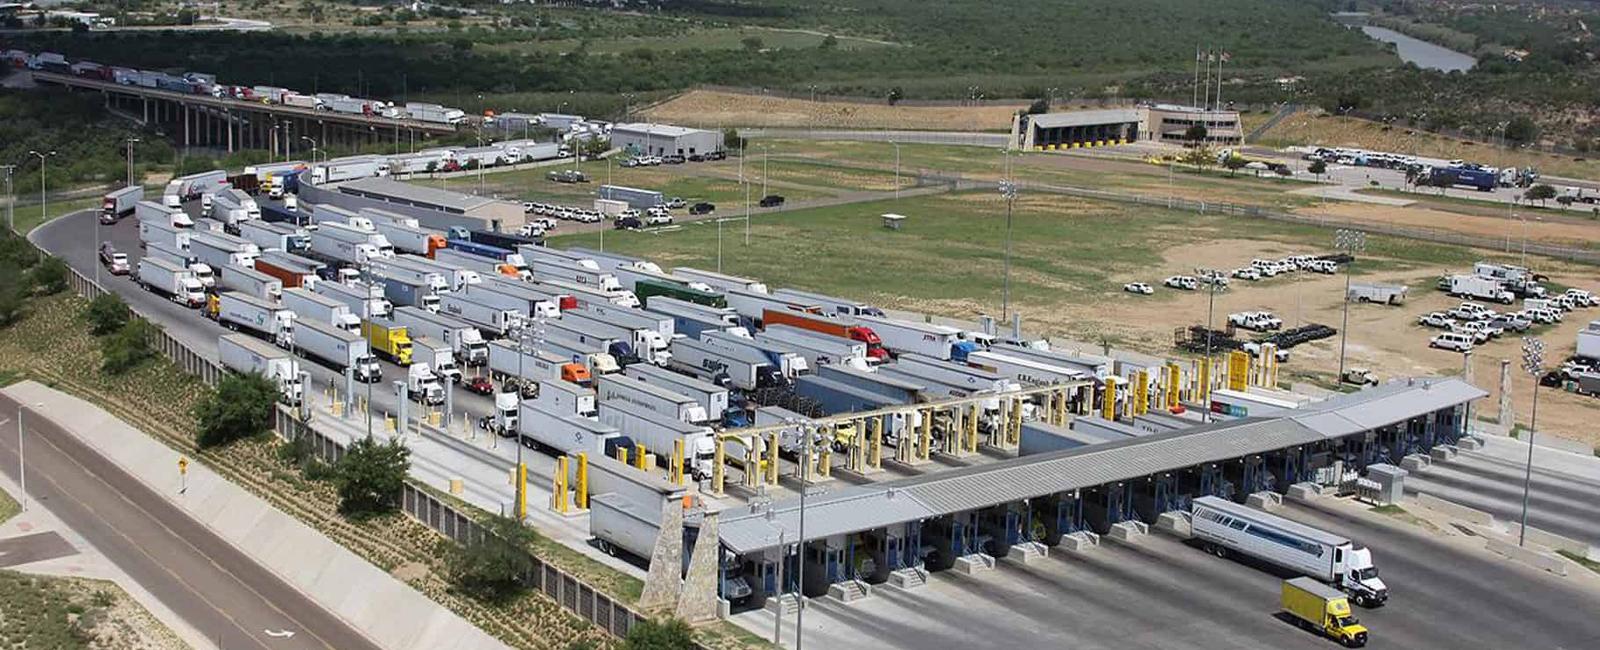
x,y
566,398
567,434
364,300
1227,527
487,317
462,337
711,397
337,349
438,356
171,279
309,305
246,355
237,311
647,343
1589,340
219,250
1481,288
651,397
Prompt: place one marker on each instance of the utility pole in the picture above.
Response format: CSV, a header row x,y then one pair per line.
x,y
1008,189
130,142
43,211
1533,363
11,199
1351,242
1211,310
897,170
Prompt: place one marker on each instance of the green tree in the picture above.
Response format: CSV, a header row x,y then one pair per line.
x,y
128,347
50,276
651,634
1541,193
731,140
1040,105
1521,129
1200,157
107,313
1196,133
829,43
1318,167
369,477
1234,162
896,94
10,300
751,44
492,568
240,407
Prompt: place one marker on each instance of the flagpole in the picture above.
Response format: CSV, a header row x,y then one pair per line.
x,y
1221,59
1194,89
1208,82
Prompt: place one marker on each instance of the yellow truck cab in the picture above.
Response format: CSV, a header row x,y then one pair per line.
x,y
388,340
1322,608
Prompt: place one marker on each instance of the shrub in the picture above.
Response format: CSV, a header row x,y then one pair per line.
x,y
667,634
240,407
128,347
50,276
369,477
10,298
491,569
106,314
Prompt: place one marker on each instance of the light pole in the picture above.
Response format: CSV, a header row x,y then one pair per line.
x,y
43,211
1008,189
1351,242
1211,310
11,199
896,169
765,150
800,595
1533,363
130,142
313,142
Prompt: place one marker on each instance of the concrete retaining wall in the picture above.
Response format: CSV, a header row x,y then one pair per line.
x,y
1551,540
1530,557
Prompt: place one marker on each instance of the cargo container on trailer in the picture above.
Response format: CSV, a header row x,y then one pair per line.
x,y
338,349
171,279
462,337
238,311
309,305
246,355
662,436
120,203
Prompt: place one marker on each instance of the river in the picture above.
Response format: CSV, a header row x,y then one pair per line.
x,y
1422,53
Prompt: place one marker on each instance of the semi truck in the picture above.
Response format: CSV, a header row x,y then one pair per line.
x,y
159,230
290,269
627,317
619,349
818,349
588,294
690,319
495,254
309,305
544,269
648,343
610,261
720,367
646,288
219,250
460,257
423,386
439,356
151,210
337,349
238,311
349,169
402,292
120,203
455,275
388,339
716,400
534,291
788,363
526,301
566,398
201,270
1478,179
252,282
233,207
275,235
661,436
245,355
567,434
830,304
193,186
595,358
530,366
830,327
1025,371
170,279
752,307
410,239
461,337
434,113
508,241
651,397
364,300
927,339
1322,608
408,269
492,319
721,281
1223,527
346,244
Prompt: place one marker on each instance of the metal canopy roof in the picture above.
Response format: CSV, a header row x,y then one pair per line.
x,y
417,195
1085,118
860,508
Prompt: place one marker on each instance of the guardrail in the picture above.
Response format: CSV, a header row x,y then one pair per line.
x,y
574,595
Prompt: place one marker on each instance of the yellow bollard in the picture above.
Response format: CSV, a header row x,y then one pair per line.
x,y
677,462
583,480
558,488
926,437
522,491
719,456
875,455
640,460
622,455
1108,399
972,429
772,458
1141,393
1014,424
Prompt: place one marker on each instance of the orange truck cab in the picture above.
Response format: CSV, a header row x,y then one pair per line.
x,y
577,374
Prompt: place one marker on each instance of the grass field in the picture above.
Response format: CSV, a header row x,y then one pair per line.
x,y
532,185
71,613
1316,128
8,507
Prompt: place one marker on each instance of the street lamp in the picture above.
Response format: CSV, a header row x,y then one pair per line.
x,y
313,142
1351,242
130,142
11,198
896,169
1008,189
1533,363
43,212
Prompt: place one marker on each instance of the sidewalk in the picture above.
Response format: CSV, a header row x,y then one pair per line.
x,y
390,613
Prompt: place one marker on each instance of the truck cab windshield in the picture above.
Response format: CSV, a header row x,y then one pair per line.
x,y
1367,573
1348,621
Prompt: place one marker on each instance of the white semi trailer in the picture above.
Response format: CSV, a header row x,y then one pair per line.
x,y
1227,527
246,355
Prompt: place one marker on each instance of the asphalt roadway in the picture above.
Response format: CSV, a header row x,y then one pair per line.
x,y
215,588
1162,593
1560,501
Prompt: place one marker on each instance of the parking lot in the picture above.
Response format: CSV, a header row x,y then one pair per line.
x,y
1163,593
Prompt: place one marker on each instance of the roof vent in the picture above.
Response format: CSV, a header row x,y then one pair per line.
x,y
891,494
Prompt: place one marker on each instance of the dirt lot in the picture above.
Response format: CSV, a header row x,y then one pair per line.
x,y
1557,230
711,109
1318,128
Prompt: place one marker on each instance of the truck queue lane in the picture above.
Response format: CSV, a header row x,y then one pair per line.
x,y
1453,594
1563,505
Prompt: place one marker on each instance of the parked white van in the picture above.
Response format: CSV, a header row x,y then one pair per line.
x,y
1452,341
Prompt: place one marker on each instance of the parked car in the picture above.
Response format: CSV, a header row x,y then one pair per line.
x,y
1452,341
673,159
659,219
479,385
528,207
629,162
1182,282
1360,377
771,201
675,203
702,208
628,223
1247,273
114,261
716,155
1474,329
1471,311
530,230
1139,288
1436,319
545,223
568,176
1581,298
697,157
1512,322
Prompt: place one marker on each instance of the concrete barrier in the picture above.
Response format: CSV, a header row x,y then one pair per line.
x,y
1470,444
1443,453
1128,532
1304,492
1175,524
1266,501
1079,542
1546,561
1454,510
974,563
1551,540
1415,463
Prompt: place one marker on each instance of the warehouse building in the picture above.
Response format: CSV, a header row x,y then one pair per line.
x,y
433,208
1113,126
664,139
